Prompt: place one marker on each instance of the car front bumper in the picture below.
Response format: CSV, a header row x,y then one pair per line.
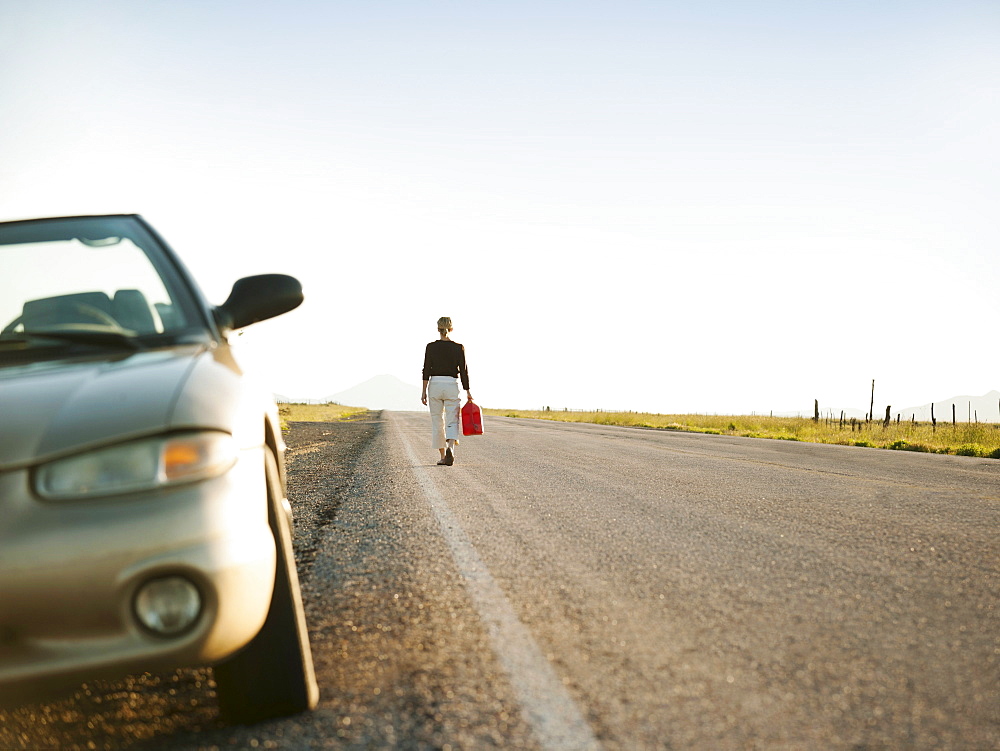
x,y
70,571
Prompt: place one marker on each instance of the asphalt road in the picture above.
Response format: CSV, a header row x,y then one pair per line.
x,y
574,586
714,592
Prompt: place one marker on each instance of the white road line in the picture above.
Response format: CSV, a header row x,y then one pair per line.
x,y
545,703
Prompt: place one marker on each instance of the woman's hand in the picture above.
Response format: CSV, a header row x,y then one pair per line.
x,y
468,395
423,398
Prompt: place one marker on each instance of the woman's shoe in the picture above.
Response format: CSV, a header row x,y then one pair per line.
x,y
449,457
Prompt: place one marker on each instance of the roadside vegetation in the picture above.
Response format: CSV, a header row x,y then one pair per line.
x,y
329,412
963,439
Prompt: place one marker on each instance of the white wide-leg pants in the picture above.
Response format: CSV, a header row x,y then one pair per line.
x,y
444,403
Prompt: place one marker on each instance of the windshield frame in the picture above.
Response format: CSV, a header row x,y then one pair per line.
x,y
177,280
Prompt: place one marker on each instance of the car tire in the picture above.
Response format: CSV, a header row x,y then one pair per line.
x,y
273,675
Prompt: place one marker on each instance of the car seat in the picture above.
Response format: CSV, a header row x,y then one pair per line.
x,y
130,309
80,307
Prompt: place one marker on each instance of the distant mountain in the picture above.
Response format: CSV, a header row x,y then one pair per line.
x,y
380,392
985,407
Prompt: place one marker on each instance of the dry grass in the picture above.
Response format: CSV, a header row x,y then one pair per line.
x,y
975,439
329,412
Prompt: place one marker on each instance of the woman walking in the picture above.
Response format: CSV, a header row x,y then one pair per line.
x,y
444,365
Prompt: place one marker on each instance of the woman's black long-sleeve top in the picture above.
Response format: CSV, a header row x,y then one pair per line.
x,y
446,358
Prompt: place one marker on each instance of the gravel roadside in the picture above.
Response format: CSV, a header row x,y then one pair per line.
x,y
401,659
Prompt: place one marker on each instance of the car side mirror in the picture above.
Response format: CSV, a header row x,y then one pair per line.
x,y
257,298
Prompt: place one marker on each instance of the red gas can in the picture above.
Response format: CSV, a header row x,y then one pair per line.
x,y
472,419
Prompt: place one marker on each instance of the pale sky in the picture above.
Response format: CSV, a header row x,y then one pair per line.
x,y
721,206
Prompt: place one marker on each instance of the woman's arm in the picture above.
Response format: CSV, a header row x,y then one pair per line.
x,y
426,373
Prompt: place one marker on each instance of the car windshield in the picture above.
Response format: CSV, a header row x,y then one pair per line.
x,y
81,284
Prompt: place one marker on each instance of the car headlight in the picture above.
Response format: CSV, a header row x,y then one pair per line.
x,y
139,465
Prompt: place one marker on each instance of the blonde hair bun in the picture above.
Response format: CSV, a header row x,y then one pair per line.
x,y
444,323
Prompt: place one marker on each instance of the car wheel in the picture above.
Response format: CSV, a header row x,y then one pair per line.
x,y
273,675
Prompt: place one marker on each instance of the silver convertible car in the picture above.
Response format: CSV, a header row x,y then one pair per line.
x,y
144,524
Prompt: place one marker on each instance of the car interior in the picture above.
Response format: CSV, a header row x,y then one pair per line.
x,y
128,310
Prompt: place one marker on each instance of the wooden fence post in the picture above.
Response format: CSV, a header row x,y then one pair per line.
x,y
871,408
888,417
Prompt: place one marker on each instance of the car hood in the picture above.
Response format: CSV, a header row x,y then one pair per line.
x,y
55,408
